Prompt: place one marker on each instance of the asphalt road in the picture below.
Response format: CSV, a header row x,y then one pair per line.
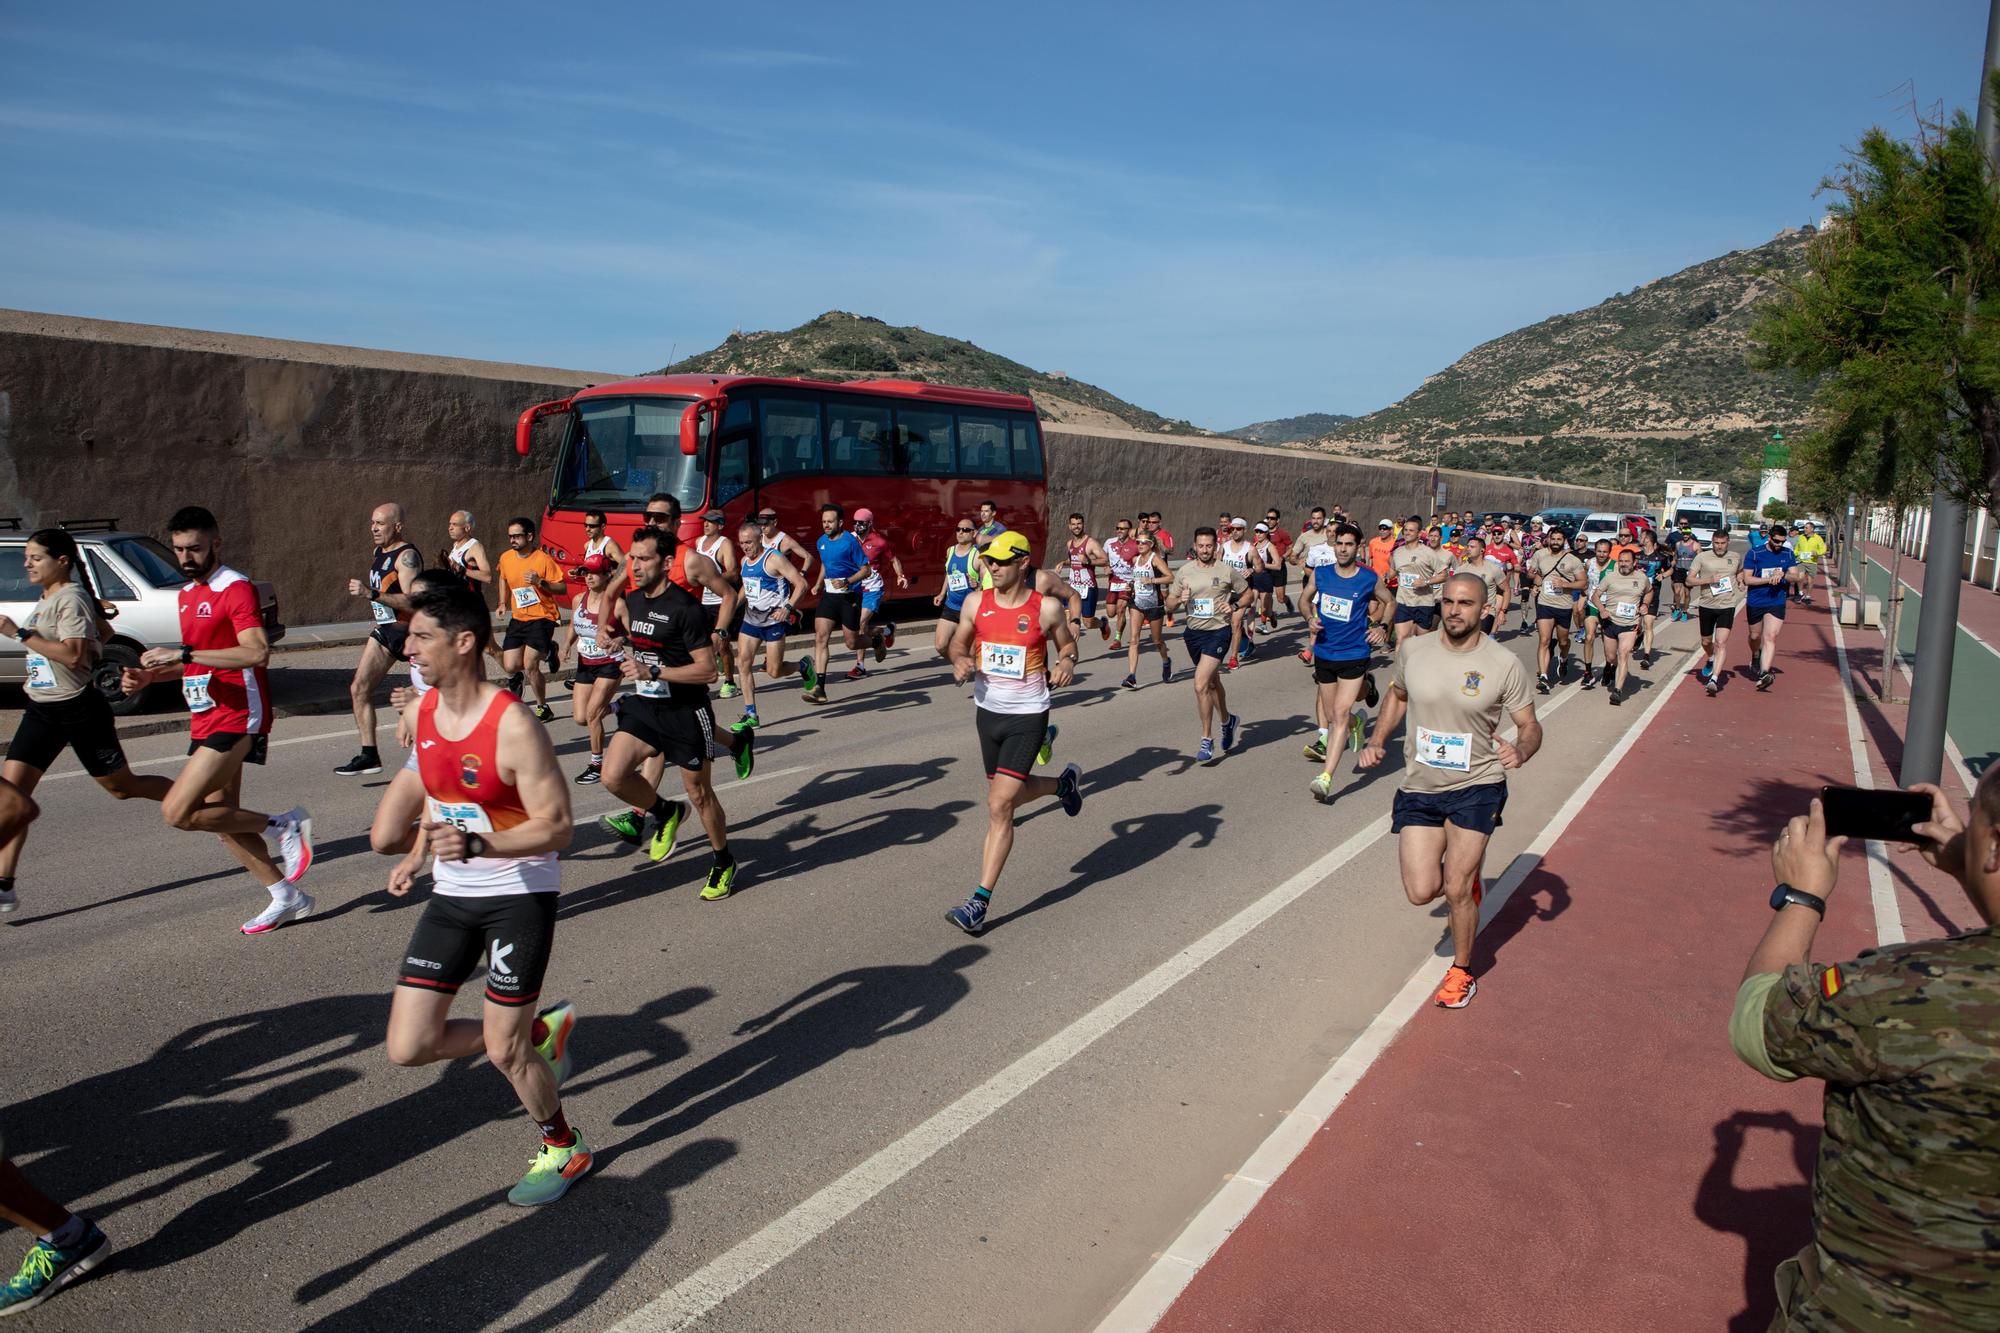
x,y
815,1104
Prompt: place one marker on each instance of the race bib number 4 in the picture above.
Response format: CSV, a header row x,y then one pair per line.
x,y
1447,750
1004,661
1201,606
1335,608
526,599
195,690
465,816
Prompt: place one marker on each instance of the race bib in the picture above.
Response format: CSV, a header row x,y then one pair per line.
x,y
649,689
1201,606
955,581
465,816
1624,610
765,598
1116,586
41,676
587,648
836,585
1725,584
1335,608
526,599
195,690
1080,578
1447,750
1004,661
383,615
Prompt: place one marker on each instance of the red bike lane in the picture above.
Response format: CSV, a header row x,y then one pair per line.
x,y
1580,1148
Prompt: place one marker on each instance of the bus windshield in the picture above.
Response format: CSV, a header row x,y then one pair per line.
x,y
1695,516
619,451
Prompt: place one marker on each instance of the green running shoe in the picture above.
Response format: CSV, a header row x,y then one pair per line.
x,y
554,1048
809,674
665,831
1357,730
743,748
1047,752
47,1269
721,880
728,690
554,1171
1316,749
626,824
1322,788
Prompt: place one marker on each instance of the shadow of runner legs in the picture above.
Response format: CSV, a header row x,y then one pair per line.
x,y
1526,905
1775,1222
1133,843
843,1013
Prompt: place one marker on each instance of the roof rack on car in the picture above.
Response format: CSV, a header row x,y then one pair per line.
x,y
89,525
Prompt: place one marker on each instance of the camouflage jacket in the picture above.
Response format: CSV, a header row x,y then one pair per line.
x,y
1906,1196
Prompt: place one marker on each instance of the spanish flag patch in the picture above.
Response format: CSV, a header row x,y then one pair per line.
x,y
1829,982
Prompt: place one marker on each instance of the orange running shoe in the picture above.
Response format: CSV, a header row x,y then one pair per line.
x,y
1458,989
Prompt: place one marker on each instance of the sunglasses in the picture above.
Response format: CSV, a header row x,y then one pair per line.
x,y
663,518
588,524
996,560
767,519
967,528
517,536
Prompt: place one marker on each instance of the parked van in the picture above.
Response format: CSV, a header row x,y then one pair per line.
x,y
1565,521
1703,513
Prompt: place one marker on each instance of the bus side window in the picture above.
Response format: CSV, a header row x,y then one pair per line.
x,y
1027,448
732,453
791,438
924,437
982,445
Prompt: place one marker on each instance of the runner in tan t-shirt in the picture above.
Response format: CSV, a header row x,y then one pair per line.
x,y
1457,688
1208,591
1558,576
1618,597
1420,568
1716,578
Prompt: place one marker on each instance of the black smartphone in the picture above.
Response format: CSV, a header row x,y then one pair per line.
x,y
1883,816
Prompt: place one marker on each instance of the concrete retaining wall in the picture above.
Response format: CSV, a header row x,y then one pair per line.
x,y
292,444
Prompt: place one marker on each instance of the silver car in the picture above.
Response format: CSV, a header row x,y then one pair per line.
x,y
133,572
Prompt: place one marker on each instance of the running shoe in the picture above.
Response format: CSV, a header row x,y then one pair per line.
x,y
728,690
881,645
1229,725
1117,643
1249,647
1589,681
1612,697
1166,670
544,713
47,1269
721,880
9,900
360,765
1357,730
1369,694
553,1172
592,775
627,825
514,683
857,672
1541,684
1130,682
970,917
748,722
1048,750
1705,674
294,907
1322,788
742,748
1458,989
1104,628
665,831
815,696
1713,686
1069,792
1230,665
554,1048
888,638
1767,680
295,843
808,674
1205,752
1305,656
1315,749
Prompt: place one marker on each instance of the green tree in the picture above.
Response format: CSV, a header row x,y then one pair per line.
x,y
1898,316
1777,510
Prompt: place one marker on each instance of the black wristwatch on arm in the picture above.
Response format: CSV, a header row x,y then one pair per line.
x,y
1785,894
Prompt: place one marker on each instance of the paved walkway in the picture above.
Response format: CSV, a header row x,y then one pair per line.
x,y
1973,723
1580,1149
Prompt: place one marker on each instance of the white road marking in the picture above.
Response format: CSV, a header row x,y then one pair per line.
x,y
1881,888
1156,1290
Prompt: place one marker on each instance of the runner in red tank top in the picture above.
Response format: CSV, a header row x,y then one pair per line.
x,y
220,666
488,802
1083,554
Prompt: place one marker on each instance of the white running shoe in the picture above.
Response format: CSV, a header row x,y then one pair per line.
x,y
295,843
8,900
295,908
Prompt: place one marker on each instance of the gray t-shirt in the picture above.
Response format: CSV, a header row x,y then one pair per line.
x,y
65,613
1415,563
1457,701
1729,591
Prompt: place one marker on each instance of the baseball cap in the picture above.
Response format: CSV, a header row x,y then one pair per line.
x,y
597,563
1007,546
1237,523
864,516
1385,523
713,516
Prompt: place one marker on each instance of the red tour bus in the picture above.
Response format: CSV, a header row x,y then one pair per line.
x,y
920,456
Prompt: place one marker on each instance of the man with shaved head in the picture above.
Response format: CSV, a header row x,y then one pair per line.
x,y
393,569
1457,688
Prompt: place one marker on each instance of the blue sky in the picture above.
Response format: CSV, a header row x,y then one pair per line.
x,y
1221,213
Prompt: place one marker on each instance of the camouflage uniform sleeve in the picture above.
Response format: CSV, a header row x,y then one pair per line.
x,y
1825,1021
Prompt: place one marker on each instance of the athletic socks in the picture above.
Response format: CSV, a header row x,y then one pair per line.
x,y
985,895
661,808
556,1131
724,858
69,1233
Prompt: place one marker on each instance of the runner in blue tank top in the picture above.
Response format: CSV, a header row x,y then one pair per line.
x,y
1348,607
959,576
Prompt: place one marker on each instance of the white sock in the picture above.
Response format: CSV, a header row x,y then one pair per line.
x,y
282,892
1322,735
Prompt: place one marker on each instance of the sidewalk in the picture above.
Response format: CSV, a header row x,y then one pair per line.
x,y
1580,1149
1973,723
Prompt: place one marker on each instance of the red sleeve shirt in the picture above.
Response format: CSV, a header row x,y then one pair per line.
x,y
223,700
1282,540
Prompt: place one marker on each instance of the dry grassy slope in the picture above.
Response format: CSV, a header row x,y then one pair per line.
x,y
843,346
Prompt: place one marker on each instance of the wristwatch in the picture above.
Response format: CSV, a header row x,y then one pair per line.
x,y
1785,894
655,672
475,846
24,634
187,655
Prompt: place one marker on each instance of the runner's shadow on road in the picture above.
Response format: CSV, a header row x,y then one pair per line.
x,y
841,1014
1775,1222
1540,897
1133,843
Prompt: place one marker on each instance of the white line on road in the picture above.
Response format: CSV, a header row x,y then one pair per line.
x,y
1881,888
1148,1300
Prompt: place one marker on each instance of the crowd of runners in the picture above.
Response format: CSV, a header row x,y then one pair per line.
x,y
479,797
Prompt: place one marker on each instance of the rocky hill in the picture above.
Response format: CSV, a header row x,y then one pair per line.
x,y
1307,426
1653,383
841,346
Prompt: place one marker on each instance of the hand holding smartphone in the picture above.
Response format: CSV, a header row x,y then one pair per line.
x,y
1879,816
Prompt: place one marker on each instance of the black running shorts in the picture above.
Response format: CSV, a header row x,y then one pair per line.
x,y
225,741
83,723
589,671
395,638
1757,613
1326,673
509,933
1713,618
680,732
842,608
1008,742
537,635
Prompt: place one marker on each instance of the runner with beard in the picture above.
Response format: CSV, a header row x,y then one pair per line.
x,y
1346,614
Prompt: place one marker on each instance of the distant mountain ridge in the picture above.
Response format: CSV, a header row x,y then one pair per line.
x,y
843,346
1284,430
1652,383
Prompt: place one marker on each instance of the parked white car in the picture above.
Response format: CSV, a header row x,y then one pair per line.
x,y
133,572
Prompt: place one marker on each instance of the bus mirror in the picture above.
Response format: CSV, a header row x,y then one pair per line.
x,y
524,429
691,422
